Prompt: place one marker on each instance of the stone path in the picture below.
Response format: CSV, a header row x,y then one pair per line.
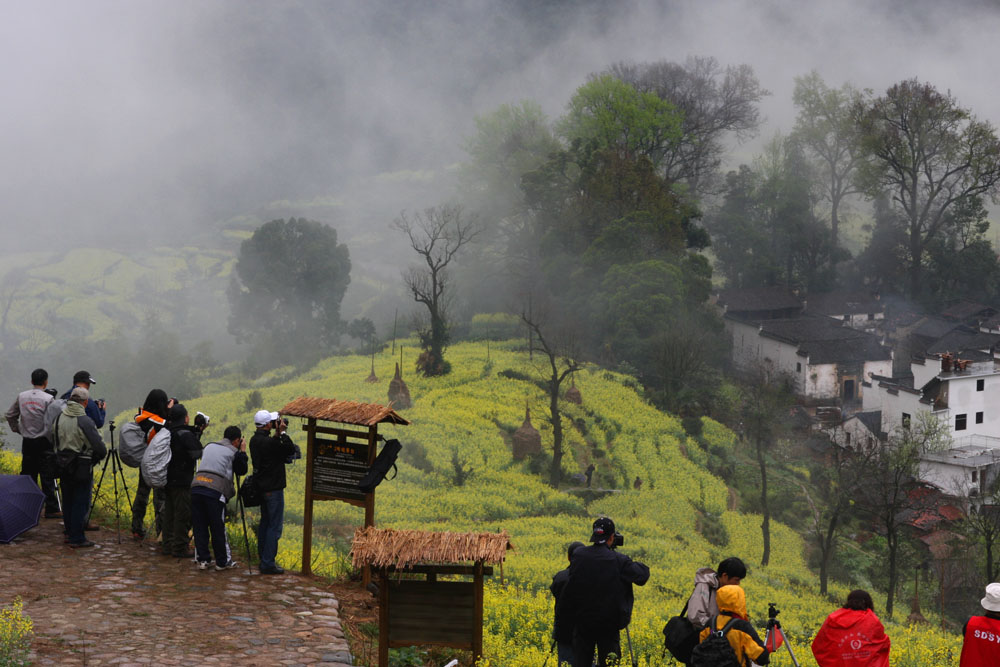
x,y
124,604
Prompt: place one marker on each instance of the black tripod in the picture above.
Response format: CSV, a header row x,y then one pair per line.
x,y
117,471
775,636
246,538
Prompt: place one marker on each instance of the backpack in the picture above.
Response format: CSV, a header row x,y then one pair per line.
x,y
131,444
715,650
680,637
250,494
156,459
386,459
52,412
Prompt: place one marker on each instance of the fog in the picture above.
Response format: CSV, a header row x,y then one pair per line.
x,y
154,116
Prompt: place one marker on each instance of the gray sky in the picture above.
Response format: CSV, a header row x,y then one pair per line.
x,y
169,115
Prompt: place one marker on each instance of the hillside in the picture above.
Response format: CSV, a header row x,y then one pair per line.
x,y
470,414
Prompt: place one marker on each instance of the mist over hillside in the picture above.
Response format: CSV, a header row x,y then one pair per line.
x,y
151,119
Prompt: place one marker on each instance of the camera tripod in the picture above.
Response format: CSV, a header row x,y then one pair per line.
x,y
117,471
246,538
775,633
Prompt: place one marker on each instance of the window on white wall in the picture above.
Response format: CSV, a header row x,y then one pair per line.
x,y
980,385
979,417
906,420
960,422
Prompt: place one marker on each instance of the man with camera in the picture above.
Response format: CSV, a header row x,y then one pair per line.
x,y
269,455
74,431
597,598
96,409
27,417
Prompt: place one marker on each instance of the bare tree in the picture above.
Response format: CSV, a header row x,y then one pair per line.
x,y
889,486
436,235
561,363
982,523
765,403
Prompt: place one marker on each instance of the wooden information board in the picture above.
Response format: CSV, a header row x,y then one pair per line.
x,y
337,468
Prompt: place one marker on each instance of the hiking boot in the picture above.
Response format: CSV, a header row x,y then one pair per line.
x,y
277,569
204,565
228,566
82,545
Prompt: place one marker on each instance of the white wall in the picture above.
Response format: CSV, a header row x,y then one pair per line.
x,y
964,399
953,480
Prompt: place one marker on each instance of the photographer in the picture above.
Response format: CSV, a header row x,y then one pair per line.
x,y
597,598
185,450
75,431
211,489
562,632
27,417
151,418
269,455
96,409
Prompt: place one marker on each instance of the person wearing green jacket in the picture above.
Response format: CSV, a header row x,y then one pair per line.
x,y
75,431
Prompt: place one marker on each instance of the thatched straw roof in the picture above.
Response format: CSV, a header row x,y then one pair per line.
x,y
527,439
344,412
382,548
399,393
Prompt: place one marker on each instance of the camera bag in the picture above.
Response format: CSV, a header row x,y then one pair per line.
x,y
680,637
249,492
385,460
715,650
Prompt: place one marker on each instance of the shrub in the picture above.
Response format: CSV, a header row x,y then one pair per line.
x,y
16,631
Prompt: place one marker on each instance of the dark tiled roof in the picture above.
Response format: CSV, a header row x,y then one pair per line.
x,y
843,303
963,310
826,340
758,298
935,327
872,421
958,341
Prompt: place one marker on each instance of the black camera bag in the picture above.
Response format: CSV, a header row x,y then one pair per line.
x,y
385,460
680,637
250,493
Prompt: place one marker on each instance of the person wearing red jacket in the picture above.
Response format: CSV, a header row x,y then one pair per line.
x,y
981,646
852,636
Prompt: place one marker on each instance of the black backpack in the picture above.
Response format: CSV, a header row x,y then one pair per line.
x,y
250,494
680,637
385,460
715,650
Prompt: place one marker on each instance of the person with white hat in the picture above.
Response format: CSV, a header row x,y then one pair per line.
x,y
269,455
981,646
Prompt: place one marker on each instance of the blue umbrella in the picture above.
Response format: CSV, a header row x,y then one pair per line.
x,y
21,503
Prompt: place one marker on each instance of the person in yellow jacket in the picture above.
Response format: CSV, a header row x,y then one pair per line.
x,y
732,603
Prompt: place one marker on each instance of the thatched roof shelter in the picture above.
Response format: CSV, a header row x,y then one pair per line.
x,y
399,393
344,412
527,439
573,395
402,549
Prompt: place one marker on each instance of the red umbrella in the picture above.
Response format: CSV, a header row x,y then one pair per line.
x,y
21,503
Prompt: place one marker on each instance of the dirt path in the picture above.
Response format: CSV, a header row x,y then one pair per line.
x,y
124,604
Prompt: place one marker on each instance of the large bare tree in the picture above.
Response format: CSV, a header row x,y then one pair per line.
x,y
436,234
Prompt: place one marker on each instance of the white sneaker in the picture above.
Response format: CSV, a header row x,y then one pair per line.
x,y
228,566
204,564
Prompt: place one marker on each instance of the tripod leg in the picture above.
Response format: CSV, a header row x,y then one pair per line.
x,y
243,518
788,645
97,489
631,655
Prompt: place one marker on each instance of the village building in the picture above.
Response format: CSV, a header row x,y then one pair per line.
x,y
858,310
824,360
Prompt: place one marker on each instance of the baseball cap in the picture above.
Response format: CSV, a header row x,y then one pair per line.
x,y
262,418
603,529
79,394
83,376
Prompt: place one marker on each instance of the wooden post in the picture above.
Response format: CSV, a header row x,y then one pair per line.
x,y
477,610
366,577
307,513
383,618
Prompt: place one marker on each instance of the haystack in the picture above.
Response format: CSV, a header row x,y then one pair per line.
x,y
527,439
399,393
573,394
383,548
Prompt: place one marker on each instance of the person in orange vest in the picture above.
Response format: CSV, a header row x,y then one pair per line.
x,y
981,646
852,636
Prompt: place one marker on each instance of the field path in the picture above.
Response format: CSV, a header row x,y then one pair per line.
x,y
124,604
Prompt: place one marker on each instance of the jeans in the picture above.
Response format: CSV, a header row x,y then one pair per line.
x,y
176,520
76,506
208,515
32,454
139,508
272,517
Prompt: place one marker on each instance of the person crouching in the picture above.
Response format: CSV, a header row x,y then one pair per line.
x,y
211,489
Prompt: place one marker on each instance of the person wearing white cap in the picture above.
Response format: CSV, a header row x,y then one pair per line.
x,y
981,647
269,455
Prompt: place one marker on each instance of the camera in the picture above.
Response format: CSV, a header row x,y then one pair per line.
x,y
619,541
772,610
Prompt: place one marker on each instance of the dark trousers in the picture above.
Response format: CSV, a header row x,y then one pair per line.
x,y
176,520
32,454
607,643
139,508
208,515
272,518
564,653
76,507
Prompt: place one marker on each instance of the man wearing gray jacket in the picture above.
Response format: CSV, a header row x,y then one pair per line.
x,y
211,488
701,606
75,431
27,417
